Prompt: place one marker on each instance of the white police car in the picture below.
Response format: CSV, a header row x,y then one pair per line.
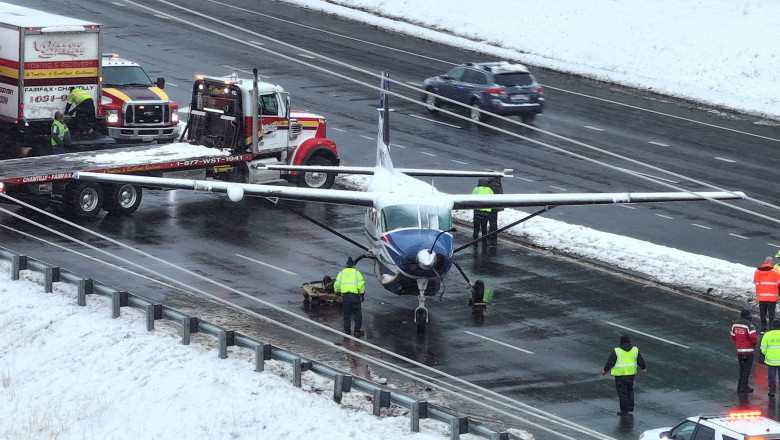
x,y
742,425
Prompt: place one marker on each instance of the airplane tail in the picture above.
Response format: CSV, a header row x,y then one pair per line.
x,y
383,136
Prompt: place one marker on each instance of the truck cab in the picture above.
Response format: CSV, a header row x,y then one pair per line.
x,y
221,116
135,107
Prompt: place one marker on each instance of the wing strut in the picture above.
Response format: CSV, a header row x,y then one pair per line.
x,y
326,227
541,211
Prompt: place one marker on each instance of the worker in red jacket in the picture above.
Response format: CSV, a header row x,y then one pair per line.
x,y
744,335
766,278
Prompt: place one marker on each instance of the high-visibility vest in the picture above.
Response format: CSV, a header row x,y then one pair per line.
x,y
766,282
626,362
481,190
77,96
58,130
349,280
770,346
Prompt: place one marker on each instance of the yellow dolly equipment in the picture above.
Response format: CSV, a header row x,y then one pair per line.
x,y
320,292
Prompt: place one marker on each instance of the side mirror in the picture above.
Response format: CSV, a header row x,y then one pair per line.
x,y
161,82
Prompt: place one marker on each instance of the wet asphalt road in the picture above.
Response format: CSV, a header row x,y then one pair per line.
x,y
543,340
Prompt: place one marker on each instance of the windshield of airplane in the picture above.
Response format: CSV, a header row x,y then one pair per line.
x,y
415,216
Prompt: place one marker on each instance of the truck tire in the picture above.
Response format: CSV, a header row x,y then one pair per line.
x,y
317,180
122,198
85,199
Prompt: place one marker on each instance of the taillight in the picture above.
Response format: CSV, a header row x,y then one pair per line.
x,y
538,89
496,92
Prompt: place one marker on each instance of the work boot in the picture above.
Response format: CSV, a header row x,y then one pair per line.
x,y
359,333
347,331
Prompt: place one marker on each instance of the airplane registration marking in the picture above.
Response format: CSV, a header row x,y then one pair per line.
x,y
700,226
646,334
499,342
434,120
739,236
266,264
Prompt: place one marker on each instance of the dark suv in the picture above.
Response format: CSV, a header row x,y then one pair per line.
x,y
499,87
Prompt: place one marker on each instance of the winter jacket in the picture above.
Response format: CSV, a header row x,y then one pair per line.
x,y
744,335
625,346
766,279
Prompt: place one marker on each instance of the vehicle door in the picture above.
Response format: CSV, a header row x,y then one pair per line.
x,y
450,85
704,433
274,124
475,86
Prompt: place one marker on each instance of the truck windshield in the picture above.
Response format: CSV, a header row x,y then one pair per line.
x,y
125,76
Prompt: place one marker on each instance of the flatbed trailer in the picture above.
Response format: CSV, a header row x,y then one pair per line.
x,y
25,179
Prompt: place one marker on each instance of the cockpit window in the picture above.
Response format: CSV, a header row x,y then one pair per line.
x,y
415,216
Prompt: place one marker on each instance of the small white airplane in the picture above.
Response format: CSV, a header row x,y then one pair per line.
x,y
408,223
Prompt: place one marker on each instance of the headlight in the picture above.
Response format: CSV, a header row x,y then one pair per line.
x,y
174,117
112,116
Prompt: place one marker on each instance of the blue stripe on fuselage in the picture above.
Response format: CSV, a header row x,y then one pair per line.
x,y
406,243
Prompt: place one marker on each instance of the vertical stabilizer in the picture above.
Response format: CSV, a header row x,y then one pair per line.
x,y
383,136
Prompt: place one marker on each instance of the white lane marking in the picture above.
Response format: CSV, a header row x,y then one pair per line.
x,y
367,137
646,334
460,162
725,160
162,17
626,206
589,127
639,173
498,342
522,178
257,43
171,84
416,84
305,55
118,4
429,154
700,226
739,236
266,264
434,120
559,188
397,146
665,216
248,72
660,144
337,129
773,245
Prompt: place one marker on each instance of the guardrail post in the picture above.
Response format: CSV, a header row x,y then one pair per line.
x,y
297,372
499,436
227,338
118,299
50,275
342,383
153,311
419,410
85,288
18,263
262,354
459,425
189,325
381,400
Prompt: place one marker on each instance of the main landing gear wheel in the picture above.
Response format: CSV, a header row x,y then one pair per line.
x,y
477,299
421,318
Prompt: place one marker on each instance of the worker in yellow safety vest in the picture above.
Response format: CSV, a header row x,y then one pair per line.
x,y
770,347
60,135
351,286
481,216
84,109
622,363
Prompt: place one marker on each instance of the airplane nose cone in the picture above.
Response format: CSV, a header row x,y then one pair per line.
x,y
426,259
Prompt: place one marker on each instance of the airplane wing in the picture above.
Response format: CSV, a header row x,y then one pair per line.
x,y
236,191
408,171
470,201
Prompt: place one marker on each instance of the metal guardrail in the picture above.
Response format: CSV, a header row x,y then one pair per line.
x,y
382,396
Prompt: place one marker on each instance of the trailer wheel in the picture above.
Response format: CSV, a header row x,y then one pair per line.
x,y
123,198
317,180
85,199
